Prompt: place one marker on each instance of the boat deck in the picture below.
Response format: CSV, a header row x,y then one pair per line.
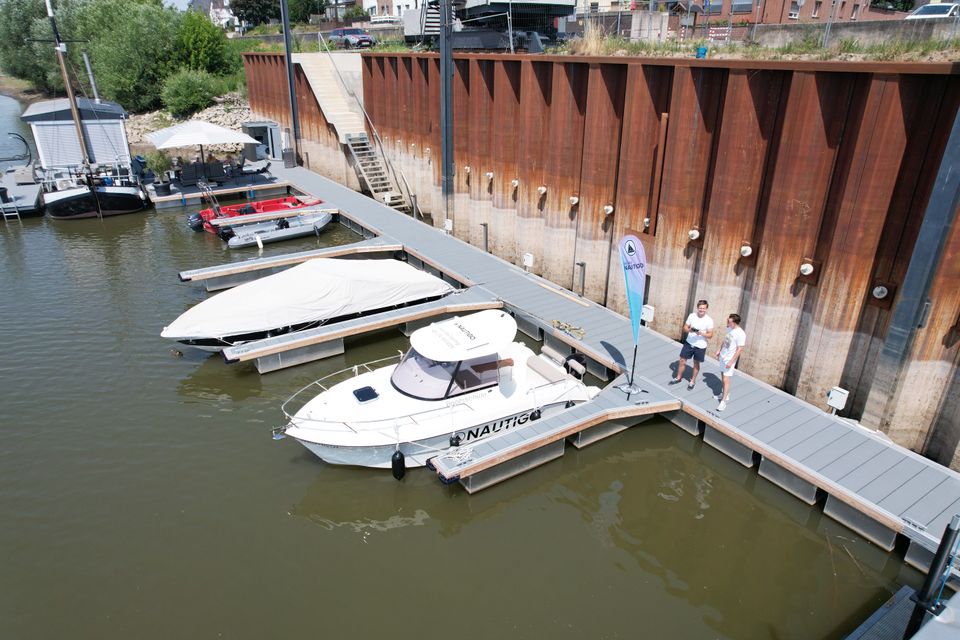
x,y
870,484
23,199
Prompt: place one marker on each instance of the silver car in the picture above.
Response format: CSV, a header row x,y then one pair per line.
x,y
351,38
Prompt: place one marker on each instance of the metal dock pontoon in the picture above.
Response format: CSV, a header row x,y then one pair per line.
x,y
875,487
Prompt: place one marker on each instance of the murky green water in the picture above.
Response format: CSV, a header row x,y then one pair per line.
x,y
141,495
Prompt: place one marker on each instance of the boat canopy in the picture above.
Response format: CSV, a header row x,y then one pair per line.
x,y
317,290
479,334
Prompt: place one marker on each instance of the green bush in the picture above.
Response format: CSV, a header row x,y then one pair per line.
x,y
187,91
158,162
202,45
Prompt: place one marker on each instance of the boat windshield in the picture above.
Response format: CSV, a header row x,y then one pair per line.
x,y
427,379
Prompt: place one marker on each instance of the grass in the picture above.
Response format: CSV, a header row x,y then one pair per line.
x,y
595,43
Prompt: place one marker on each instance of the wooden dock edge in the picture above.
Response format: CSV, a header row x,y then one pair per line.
x,y
245,265
832,489
453,307
535,443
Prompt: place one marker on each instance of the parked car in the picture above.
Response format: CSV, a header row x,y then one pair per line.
x,y
935,10
351,38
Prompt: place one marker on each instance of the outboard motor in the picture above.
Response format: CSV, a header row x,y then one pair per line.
x,y
226,233
283,223
398,465
195,221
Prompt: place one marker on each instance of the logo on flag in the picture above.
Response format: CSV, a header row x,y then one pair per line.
x,y
634,262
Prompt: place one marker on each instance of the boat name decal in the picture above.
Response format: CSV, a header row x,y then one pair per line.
x,y
482,431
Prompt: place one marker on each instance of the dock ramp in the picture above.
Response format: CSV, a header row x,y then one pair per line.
x,y
228,275
495,459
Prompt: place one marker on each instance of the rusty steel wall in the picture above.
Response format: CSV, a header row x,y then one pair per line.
x,y
820,162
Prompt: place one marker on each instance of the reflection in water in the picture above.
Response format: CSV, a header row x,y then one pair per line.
x,y
211,381
164,475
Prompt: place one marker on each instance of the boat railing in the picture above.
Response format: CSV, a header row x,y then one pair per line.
x,y
323,384
414,419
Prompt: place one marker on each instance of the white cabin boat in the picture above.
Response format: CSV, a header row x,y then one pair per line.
x,y
463,380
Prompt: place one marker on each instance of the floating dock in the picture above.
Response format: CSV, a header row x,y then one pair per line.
x,y
875,487
258,186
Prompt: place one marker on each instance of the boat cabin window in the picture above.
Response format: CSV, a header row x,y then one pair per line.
x,y
427,379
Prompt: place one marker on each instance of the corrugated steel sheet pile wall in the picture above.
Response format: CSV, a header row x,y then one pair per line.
x,y
827,163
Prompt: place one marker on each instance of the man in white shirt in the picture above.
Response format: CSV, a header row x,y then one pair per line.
x,y
699,328
733,344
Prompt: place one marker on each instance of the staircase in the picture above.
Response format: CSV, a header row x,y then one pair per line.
x,y
344,113
373,172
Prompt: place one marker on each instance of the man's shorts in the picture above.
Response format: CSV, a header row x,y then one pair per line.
x,y
725,368
688,351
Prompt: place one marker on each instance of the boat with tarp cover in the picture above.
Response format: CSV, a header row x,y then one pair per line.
x,y
316,292
463,380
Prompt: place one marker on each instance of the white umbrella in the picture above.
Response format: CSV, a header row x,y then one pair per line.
x,y
197,132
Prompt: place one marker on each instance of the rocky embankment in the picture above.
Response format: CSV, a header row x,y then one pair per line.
x,y
230,111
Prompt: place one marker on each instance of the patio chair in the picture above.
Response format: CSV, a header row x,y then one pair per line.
x,y
216,173
191,174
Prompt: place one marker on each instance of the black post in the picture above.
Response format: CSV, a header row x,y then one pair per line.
x,y
909,314
446,106
925,597
291,87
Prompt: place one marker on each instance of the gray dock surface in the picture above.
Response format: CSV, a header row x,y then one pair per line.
x,y
871,484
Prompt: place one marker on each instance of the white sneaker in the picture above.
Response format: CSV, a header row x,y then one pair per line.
x,y
722,405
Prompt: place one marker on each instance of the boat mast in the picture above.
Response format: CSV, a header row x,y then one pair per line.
x,y
60,48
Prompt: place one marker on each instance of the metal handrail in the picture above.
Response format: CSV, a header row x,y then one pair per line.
x,y
401,182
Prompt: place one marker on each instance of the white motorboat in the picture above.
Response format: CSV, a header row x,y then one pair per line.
x,y
319,291
259,233
462,381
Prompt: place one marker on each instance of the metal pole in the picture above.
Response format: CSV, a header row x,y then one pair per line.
x,y
583,276
291,87
909,312
927,595
756,19
510,26
486,236
446,106
93,82
61,48
830,18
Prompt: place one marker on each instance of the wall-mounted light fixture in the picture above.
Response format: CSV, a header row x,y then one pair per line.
x,y
427,150
466,169
607,209
542,189
880,292
574,201
489,175
413,144
515,183
693,234
646,223
806,269
746,250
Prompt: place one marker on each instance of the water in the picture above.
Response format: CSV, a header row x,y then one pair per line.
x,y
141,495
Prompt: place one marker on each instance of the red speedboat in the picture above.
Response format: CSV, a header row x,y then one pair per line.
x,y
200,220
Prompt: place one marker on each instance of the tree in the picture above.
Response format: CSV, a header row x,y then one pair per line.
x,y
301,10
135,52
255,12
201,45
